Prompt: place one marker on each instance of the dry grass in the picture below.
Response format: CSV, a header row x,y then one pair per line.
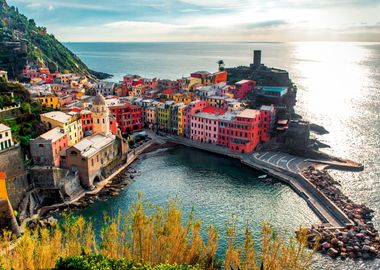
x,y
160,237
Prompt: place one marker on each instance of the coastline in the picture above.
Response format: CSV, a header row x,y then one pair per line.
x,y
346,229
340,234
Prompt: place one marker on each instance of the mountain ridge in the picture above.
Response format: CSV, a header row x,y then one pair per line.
x,y
23,42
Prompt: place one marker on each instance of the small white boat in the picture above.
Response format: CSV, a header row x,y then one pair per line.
x,y
263,176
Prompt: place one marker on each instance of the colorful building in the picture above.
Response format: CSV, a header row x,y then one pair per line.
x,y
49,101
100,116
243,88
268,117
150,116
70,122
128,117
219,77
181,119
86,118
205,125
240,132
6,140
164,115
193,107
46,149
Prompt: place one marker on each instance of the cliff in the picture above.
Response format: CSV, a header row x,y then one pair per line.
x,y
23,42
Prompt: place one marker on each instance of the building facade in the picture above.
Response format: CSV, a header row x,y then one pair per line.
x,y
46,149
6,140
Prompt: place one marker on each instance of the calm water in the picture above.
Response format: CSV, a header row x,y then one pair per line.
x,y
339,87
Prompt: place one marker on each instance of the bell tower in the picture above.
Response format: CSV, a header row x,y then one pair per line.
x,y
100,116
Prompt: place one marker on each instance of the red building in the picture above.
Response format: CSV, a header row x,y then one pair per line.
x,y
240,133
86,117
243,88
128,117
219,77
268,117
113,125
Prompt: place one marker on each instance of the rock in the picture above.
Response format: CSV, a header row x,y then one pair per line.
x,y
332,252
365,256
366,248
350,234
359,235
343,255
373,250
326,245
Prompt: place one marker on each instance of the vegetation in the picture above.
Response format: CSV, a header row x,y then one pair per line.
x,y
89,262
22,41
147,241
25,122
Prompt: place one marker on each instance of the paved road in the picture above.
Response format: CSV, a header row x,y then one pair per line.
x,y
283,160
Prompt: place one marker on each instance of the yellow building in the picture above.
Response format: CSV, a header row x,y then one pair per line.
x,y
136,90
181,119
164,112
5,137
49,101
190,83
3,187
179,98
70,123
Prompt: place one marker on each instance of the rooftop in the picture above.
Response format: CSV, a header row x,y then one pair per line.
x,y
273,88
58,116
243,81
93,144
4,128
248,113
266,108
213,110
53,134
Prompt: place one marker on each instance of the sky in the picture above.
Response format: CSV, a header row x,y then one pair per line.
x,y
206,20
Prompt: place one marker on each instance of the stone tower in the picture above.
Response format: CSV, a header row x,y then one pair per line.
x,y
100,116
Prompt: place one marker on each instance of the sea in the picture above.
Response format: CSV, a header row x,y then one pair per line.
x,y
338,87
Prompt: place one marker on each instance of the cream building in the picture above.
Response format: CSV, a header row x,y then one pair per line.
x,y
5,137
100,116
71,123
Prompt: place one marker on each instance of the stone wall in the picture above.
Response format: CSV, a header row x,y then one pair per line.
x,y
11,162
46,178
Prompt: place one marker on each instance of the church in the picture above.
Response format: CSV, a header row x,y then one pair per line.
x,y
98,153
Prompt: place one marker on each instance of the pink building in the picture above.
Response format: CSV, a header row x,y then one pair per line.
x,y
194,107
268,117
240,132
205,125
243,88
46,148
64,100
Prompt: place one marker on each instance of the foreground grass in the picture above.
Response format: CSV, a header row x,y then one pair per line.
x,y
155,241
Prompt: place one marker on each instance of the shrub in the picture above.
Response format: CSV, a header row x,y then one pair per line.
x,y
151,240
89,262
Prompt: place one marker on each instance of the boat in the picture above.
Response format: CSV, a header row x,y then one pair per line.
x,y
263,176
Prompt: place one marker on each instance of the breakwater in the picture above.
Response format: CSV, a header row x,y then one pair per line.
x,y
345,230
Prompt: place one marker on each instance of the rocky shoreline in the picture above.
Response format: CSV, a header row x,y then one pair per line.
x,y
358,241
110,190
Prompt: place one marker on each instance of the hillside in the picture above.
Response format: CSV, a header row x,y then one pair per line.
x,y
23,42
